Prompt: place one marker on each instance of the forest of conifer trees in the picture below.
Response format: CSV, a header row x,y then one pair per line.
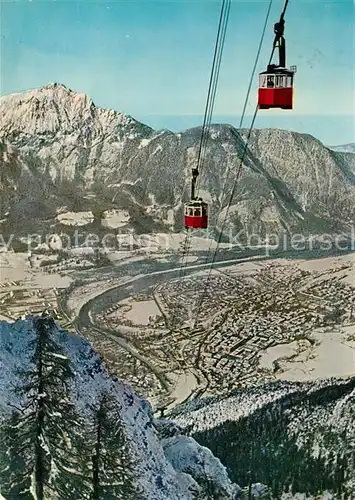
x,y
311,459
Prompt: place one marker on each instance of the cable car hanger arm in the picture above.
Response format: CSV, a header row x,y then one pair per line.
x,y
279,40
195,174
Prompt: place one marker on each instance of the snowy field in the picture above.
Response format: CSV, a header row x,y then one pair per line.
x,y
141,311
185,384
115,218
24,289
83,294
333,355
327,263
15,267
75,218
167,242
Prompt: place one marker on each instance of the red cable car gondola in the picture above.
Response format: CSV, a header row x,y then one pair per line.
x,y
196,214
276,83
276,88
196,211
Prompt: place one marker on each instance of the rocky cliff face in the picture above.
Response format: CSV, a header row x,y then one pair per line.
x,y
86,157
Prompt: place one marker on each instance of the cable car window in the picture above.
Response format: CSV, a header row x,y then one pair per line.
x,y
270,81
262,82
197,212
191,212
280,81
289,81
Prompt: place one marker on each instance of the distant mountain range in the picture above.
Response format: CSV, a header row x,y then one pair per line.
x,y
345,148
58,151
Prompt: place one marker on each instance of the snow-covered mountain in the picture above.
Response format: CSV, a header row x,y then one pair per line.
x,y
290,436
83,157
69,430
345,148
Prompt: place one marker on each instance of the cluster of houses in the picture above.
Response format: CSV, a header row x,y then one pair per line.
x,y
19,300
239,318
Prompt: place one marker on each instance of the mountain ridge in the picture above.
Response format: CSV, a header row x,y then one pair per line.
x,y
101,158
345,148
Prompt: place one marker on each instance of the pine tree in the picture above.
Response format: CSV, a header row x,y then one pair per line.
x,y
16,458
48,437
64,430
114,467
71,477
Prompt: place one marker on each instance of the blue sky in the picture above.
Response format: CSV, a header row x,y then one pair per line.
x,y
152,59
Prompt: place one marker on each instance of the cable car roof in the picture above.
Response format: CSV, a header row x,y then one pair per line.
x,y
278,71
196,203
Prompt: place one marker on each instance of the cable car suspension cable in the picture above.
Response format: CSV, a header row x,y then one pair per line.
x,y
255,63
246,99
214,79
216,64
234,184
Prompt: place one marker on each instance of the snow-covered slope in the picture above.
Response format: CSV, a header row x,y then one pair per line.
x,y
289,435
89,158
163,472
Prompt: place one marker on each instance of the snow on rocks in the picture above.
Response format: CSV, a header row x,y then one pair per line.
x,y
186,455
